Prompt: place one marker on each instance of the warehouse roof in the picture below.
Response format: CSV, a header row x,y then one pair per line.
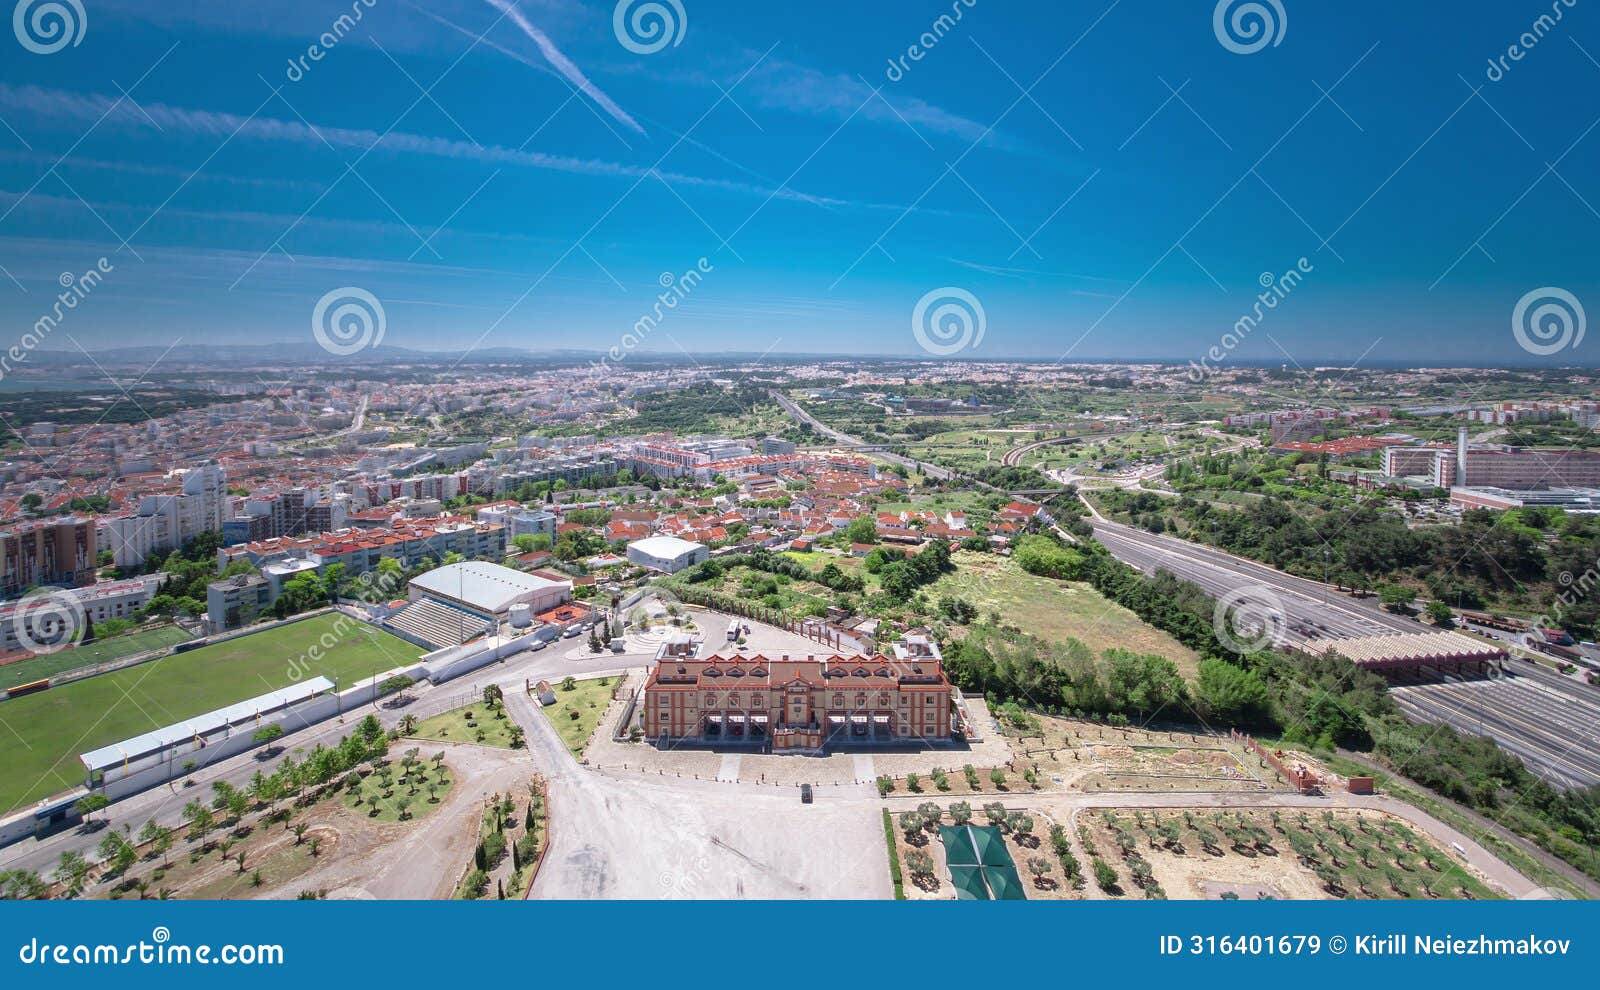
x,y
1406,648
663,547
481,585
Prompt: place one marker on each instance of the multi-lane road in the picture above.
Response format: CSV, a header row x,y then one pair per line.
x,y
1550,721
843,439
1528,713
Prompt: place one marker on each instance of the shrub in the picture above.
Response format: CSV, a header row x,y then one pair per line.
x,y
474,885
1104,875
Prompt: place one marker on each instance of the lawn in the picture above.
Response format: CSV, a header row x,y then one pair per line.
x,y
470,724
576,712
1055,610
381,793
90,654
44,733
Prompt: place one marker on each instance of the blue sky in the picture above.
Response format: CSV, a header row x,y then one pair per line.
x,y
533,178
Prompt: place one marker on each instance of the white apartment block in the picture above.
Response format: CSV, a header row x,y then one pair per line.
x,y
166,522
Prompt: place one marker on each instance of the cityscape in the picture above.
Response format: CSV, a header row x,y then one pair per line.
x,y
686,509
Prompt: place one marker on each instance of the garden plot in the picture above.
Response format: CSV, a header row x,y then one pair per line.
x,y
1133,767
1272,854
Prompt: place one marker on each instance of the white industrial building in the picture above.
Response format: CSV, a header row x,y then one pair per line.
x,y
489,590
666,554
459,603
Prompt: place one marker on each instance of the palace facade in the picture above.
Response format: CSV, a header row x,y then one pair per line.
x,y
802,705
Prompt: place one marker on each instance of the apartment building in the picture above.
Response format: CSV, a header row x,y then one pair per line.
x,y
165,522
100,602
56,551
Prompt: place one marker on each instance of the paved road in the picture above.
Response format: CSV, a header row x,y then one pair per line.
x,y
800,415
1548,720
639,836
1310,609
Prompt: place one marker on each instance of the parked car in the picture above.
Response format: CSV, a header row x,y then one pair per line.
x,y
805,793
618,646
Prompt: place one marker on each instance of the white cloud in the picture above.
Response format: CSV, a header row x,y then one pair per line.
x,y
563,64
59,105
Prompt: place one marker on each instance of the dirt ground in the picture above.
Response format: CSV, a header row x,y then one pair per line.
x,y
1068,754
421,859
1195,873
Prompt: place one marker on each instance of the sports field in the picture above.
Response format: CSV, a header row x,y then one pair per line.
x,y
42,734
90,654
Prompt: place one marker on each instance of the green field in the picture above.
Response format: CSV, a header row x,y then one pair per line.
x,y
1056,610
90,654
44,733
470,724
577,712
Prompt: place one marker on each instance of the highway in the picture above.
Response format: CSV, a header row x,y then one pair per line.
x,y
1550,721
845,440
1309,609
1551,730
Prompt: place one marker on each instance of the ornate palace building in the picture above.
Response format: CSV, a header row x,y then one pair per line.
x,y
799,705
